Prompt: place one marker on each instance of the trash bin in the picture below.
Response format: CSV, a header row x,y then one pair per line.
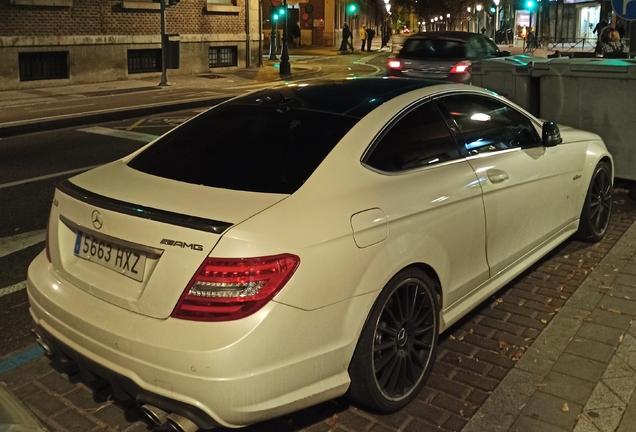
x,y
596,95
511,77
174,53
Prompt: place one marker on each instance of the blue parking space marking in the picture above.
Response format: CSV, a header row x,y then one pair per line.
x,y
20,359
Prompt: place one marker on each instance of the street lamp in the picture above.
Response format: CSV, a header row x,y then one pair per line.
x,y
478,8
284,66
496,2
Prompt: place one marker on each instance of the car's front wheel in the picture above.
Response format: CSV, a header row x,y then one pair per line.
x,y
395,351
597,209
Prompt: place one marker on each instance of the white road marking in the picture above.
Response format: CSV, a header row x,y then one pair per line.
x,y
57,108
135,136
48,176
8,245
13,288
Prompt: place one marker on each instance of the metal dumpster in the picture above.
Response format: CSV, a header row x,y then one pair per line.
x,y
511,77
597,95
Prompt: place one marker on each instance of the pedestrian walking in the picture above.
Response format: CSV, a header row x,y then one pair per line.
x,y
346,34
620,29
598,29
370,36
296,34
363,37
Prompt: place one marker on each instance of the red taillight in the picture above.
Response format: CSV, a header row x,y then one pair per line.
x,y
460,68
225,289
395,64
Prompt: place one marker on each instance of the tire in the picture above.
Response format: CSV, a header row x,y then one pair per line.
x,y
597,209
396,349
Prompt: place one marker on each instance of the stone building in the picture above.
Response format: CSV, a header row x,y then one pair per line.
x,y
58,42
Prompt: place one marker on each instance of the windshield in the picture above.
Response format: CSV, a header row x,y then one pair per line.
x,y
434,48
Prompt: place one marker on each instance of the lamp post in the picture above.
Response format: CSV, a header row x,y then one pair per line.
x,y
496,2
273,36
468,17
478,8
284,66
387,27
447,21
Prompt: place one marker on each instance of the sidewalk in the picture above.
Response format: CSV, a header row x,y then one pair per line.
x,y
32,110
580,373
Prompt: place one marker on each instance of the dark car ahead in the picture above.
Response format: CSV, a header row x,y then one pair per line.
x,y
445,55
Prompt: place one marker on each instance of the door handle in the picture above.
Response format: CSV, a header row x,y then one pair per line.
x,y
497,176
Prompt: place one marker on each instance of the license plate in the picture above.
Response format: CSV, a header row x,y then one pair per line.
x,y
123,260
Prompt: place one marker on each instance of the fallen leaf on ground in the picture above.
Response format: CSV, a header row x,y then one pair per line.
x,y
544,321
333,420
614,311
541,385
452,337
565,407
620,338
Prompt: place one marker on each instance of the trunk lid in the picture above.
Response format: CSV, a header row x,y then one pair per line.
x,y
135,240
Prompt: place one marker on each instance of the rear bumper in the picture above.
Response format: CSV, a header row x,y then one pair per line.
x,y
232,374
124,388
450,78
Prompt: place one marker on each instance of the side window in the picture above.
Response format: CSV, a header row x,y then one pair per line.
x,y
418,139
488,125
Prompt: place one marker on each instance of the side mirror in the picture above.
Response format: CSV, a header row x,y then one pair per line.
x,y
503,53
550,134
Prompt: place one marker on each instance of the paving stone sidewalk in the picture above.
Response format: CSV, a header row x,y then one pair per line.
x,y
580,373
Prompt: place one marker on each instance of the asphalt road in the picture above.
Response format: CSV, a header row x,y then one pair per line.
x,y
30,165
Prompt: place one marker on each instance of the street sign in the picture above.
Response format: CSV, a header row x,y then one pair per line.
x,y
625,9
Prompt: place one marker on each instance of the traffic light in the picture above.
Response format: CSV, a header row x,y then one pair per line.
x,y
281,12
275,17
492,9
353,7
531,5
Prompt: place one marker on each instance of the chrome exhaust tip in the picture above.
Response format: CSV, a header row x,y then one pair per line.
x,y
47,349
182,424
156,415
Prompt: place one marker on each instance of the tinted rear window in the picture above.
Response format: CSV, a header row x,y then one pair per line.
x,y
271,148
434,48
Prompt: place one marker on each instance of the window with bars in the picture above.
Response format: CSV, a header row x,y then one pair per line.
x,y
222,56
144,60
43,65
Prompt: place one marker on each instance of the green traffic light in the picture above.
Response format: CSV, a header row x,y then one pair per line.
x,y
530,5
281,11
275,17
492,9
352,8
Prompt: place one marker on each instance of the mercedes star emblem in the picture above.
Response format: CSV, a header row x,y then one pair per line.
x,y
98,220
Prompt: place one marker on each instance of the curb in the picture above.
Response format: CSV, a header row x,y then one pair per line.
x,y
505,405
64,121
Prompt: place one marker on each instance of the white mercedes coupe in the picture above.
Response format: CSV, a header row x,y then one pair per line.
x,y
304,242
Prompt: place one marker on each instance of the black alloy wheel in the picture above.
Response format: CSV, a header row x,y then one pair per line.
x,y
395,352
597,210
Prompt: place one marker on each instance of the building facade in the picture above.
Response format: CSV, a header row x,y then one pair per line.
x,y
58,42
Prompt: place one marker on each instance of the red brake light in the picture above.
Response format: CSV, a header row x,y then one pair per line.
x,y
225,289
460,68
395,64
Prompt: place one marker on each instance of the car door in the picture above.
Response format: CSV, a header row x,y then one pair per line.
x,y
435,212
527,187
